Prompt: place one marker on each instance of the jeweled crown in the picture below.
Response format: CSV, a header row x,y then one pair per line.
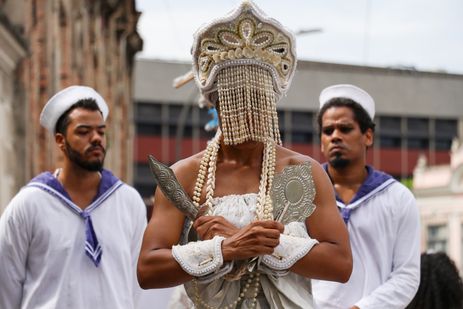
x,y
244,37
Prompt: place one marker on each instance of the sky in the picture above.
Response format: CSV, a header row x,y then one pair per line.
x,y
426,35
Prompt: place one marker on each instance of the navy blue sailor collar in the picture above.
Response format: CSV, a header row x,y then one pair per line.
x,y
375,182
108,184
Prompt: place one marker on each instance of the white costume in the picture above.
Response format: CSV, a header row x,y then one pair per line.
x,y
383,225
287,290
55,255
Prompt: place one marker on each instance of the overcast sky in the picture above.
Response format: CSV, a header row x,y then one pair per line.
x,y
424,34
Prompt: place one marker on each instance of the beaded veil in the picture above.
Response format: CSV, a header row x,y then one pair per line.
x,y
245,60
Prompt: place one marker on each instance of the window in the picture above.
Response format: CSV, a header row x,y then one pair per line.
x,y
281,124
301,137
148,129
281,119
418,126
174,113
389,132
443,144
389,142
144,180
417,143
204,116
446,128
148,112
188,130
173,128
389,125
437,238
302,121
301,127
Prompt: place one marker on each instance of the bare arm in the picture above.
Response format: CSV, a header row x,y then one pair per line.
x,y
156,266
331,259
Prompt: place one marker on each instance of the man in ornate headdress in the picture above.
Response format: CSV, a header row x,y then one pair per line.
x,y
259,201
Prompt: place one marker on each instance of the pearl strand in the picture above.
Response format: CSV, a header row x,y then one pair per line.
x,y
264,207
262,186
210,185
268,209
211,148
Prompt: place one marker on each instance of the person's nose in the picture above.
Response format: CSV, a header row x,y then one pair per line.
x,y
336,136
97,138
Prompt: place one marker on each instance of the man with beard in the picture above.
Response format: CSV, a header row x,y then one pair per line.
x,y
380,213
70,239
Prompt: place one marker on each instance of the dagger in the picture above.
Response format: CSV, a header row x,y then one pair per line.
x,y
172,189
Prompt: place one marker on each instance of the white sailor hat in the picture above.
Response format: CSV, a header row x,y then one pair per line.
x,y
64,99
352,92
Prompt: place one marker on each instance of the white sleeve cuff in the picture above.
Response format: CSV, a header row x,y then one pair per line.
x,y
292,248
200,258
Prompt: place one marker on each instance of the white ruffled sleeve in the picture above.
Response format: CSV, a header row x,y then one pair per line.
x,y
295,243
200,258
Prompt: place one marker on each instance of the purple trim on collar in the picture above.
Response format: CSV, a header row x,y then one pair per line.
x,y
108,184
47,178
107,181
375,179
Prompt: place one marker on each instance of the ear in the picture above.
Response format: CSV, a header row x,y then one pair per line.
x,y
60,140
368,138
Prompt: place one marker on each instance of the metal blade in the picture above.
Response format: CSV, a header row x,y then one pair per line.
x,y
171,188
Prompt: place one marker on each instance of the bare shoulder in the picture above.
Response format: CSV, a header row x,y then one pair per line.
x,y
286,157
186,170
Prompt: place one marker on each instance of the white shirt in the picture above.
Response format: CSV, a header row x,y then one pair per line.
x,y
42,245
385,240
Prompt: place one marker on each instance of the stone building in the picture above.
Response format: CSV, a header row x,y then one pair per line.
x,y
13,49
58,43
416,113
439,193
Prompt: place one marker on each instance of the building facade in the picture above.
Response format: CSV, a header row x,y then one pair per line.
x,y
417,113
69,42
13,50
439,193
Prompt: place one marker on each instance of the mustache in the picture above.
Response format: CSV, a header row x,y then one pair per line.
x,y
338,146
96,147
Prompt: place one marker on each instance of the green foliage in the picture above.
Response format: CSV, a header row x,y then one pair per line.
x,y
408,182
